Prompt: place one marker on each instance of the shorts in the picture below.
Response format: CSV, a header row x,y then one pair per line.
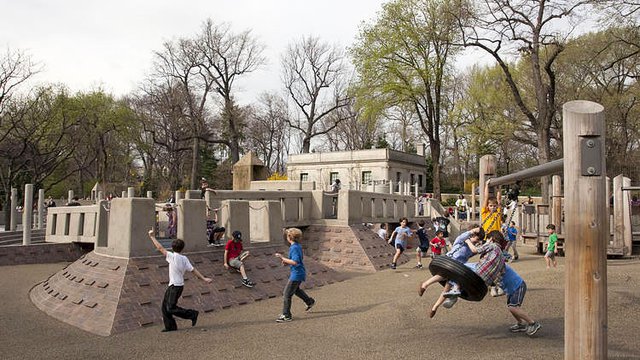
x,y
401,247
517,298
422,250
550,254
235,262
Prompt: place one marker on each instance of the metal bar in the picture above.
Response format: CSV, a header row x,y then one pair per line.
x,y
631,188
550,168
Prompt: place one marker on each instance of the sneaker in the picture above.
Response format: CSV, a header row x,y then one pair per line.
x,y
419,266
218,244
211,245
283,318
453,293
309,306
533,328
518,328
194,320
500,291
248,283
449,302
393,266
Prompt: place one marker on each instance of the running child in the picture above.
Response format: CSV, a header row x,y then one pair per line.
x,y
423,246
515,288
402,234
438,243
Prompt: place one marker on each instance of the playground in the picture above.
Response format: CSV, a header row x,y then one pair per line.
x,y
372,316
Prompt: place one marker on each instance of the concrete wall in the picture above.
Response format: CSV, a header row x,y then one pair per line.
x,y
75,223
283,185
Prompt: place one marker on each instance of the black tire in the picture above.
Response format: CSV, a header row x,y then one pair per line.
x,y
472,287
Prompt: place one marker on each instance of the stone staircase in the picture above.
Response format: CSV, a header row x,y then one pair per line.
x,y
8,238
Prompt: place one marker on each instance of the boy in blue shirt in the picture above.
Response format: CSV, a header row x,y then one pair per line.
x,y
298,275
515,288
402,234
512,235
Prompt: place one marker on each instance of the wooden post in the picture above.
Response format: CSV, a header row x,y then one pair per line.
x,y
27,214
618,213
556,204
586,231
487,171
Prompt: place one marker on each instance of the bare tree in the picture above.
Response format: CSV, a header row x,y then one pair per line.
x,y
226,56
352,133
268,132
16,67
314,76
529,29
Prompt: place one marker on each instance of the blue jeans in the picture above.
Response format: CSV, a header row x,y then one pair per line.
x,y
293,287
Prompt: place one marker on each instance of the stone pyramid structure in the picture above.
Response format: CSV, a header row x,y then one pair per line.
x,y
105,294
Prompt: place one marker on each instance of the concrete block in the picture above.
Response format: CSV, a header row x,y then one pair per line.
x,y
192,224
265,221
129,221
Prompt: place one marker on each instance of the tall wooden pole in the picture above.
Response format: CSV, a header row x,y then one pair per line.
x,y
488,164
587,230
556,203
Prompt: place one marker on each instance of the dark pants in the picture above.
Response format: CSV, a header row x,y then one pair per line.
x,y
293,287
170,308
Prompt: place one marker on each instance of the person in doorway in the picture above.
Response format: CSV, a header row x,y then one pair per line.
x,y
214,232
178,265
335,186
296,278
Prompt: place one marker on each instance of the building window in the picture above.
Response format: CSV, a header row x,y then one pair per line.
x,y
413,179
398,179
332,177
366,177
420,181
304,177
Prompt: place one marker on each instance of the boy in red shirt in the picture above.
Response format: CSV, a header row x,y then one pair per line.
x,y
438,243
234,257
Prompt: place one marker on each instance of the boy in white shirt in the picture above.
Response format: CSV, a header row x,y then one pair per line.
x,y
178,264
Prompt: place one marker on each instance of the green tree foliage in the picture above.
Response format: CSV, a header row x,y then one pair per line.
x,y
404,57
600,67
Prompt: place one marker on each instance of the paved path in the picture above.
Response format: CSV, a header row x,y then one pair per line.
x,y
376,316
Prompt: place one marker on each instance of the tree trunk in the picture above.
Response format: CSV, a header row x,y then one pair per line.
x,y
543,157
435,162
306,145
195,158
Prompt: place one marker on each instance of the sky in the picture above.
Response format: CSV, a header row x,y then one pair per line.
x,y
88,44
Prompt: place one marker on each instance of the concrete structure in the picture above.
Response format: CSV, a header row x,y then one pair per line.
x,y
371,170
248,169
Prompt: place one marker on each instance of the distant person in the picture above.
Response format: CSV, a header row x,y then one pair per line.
x,y
50,202
297,277
234,257
214,232
552,248
74,202
382,232
423,243
204,187
441,223
529,200
178,265
172,221
335,186
512,236
438,244
461,207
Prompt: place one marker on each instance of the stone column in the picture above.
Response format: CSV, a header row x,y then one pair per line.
x,y
27,214
149,194
131,192
14,209
70,196
41,208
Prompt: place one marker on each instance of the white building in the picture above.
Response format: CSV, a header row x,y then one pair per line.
x,y
369,170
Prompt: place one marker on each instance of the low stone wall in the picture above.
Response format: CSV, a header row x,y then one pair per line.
x,y
40,253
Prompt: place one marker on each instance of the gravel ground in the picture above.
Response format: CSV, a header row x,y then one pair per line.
x,y
375,316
